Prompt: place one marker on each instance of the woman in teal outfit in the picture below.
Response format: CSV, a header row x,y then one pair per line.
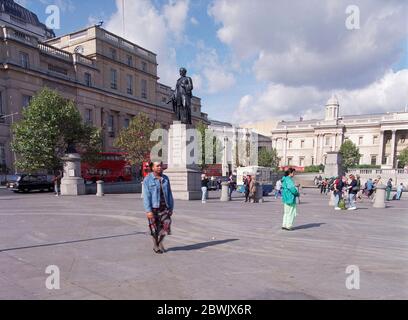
x,y
289,195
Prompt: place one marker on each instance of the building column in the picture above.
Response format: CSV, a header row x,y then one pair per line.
x,y
381,149
393,142
321,143
285,148
316,138
335,143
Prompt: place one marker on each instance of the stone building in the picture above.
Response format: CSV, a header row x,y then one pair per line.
x,y
379,137
110,79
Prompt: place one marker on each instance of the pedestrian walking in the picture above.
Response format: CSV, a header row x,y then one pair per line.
x,y
389,189
289,195
252,190
400,189
352,192
247,182
57,182
278,188
204,188
231,186
159,204
338,186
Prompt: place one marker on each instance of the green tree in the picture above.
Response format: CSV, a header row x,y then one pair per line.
x,y
350,154
268,158
50,125
135,140
213,146
403,158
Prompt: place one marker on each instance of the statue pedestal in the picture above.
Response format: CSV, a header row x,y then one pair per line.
x,y
72,184
183,172
333,167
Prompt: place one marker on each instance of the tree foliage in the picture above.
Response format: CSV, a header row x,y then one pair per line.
x,y
403,158
211,147
135,140
350,154
268,158
48,126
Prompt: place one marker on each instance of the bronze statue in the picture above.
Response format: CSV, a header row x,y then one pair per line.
x,y
181,98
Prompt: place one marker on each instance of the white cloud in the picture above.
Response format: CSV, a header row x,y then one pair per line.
x,y
215,74
194,21
155,29
288,103
301,43
218,80
175,13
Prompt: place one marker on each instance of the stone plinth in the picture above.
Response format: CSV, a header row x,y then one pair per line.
x,y
224,191
72,184
379,200
333,166
183,171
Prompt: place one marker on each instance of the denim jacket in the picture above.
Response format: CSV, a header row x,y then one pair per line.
x,y
151,192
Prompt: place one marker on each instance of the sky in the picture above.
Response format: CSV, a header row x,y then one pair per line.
x,y
253,60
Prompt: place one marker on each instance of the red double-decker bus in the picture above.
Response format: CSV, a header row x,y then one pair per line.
x,y
111,168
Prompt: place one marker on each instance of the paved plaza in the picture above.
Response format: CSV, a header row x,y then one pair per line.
x,y
218,250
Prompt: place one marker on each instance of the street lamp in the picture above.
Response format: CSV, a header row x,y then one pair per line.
x,y
4,116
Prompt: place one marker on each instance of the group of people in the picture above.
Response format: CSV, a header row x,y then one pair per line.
x,y
159,203
348,190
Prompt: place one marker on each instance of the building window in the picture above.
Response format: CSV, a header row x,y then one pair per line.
x,y
111,129
144,66
26,101
302,144
130,61
289,161
88,79
164,99
402,140
88,116
373,160
328,141
114,79
24,60
58,69
113,53
301,162
312,161
375,139
129,81
290,144
2,155
360,141
126,123
144,89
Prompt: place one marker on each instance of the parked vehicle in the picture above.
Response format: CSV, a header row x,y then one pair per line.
x,y
263,175
31,182
111,168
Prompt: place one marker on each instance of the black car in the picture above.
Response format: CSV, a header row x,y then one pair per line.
x,y
31,182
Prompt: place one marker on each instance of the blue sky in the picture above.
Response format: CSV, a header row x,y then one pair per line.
x,y
261,59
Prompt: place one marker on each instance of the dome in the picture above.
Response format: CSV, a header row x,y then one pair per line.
x,y
333,101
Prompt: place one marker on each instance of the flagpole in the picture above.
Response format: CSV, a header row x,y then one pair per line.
x,y
123,18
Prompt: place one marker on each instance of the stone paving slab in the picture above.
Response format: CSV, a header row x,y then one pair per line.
x,y
218,250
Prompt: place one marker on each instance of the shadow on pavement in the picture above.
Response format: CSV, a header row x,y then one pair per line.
x,y
71,241
308,226
202,245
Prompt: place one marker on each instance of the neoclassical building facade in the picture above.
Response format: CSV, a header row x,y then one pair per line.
x,y
110,79
379,137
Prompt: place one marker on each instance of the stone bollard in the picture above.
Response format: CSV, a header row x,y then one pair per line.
x,y
259,193
332,198
224,191
99,188
379,201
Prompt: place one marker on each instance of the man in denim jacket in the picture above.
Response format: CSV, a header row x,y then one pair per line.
x,y
158,203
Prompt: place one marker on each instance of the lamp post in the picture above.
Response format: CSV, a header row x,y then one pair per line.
x,y
11,134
